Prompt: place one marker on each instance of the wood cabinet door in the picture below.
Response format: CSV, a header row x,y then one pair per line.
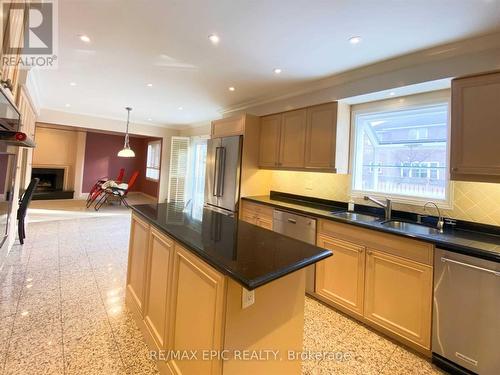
x,y
293,139
321,136
475,128
157,301
197,312
265,222
13,34
228,127
270,127
398,295
340,278
249,217
137,260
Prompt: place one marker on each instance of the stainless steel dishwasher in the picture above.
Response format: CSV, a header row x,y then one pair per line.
x,y
466,316
301,228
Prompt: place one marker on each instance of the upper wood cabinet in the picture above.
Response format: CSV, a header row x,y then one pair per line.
x,y
321,136
229,126
475,128
137,261
292,139
270,128
13,33
313,138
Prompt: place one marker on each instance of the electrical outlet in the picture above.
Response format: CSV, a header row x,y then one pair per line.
x,y
247,298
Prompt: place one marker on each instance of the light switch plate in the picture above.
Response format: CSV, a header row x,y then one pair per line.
x,y
247,298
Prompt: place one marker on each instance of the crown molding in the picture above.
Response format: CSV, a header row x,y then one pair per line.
x,y
429,55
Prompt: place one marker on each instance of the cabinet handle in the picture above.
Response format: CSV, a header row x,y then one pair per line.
x,y
370,252
454,169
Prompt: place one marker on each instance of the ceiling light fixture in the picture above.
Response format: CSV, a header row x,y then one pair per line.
x,y
180,108
214,38
231,88
149,85
277,71
126,152
355,39
150,119
85,38
72,84
67,105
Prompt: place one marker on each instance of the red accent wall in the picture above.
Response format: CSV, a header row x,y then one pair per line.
x,y
101,160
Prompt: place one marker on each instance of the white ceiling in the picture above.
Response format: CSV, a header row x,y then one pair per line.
x,y
165,42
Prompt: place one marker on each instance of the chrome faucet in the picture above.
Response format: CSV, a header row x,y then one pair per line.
x,y
387,206
440,222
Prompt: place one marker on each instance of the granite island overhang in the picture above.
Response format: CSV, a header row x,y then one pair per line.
x,y
225,289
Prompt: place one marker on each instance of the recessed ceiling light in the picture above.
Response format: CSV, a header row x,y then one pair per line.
x,y
149,85
72,83
355,39
85,38
150,119
392,93
214,38
180,108
277,71
231,88
67,105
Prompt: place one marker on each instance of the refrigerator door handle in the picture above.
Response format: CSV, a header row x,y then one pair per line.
x,y
222,171
216,173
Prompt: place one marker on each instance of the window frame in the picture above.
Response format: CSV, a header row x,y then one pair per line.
x,y
396,104
158,142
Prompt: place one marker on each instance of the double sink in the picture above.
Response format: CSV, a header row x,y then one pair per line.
x,y
393,223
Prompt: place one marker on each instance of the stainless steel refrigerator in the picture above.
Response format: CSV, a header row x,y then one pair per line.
x,y
222,177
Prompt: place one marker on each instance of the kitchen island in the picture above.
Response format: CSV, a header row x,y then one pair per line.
x,y
214,295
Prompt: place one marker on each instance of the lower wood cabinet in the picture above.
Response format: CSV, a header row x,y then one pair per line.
x,y
137,260
159,280
181,303
257,214
383,280
341,278
197,312
398,296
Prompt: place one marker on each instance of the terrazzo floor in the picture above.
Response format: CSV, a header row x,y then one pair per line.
x,y
62,310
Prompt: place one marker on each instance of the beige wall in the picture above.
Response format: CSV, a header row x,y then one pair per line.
x,y
55,147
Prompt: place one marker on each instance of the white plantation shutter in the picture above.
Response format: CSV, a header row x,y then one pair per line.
x,y
179,156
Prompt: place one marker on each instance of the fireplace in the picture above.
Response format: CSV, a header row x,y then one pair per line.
x,y
51,179
51,185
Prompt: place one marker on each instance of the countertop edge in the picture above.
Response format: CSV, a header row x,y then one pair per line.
x,y
454,247
247,284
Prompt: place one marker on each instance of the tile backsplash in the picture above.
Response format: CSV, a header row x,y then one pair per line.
x,y
472,201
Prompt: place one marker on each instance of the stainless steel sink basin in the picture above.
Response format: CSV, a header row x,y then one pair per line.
x,y
355,216
410,227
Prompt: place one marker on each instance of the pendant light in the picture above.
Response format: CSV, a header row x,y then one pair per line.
x,y
127,152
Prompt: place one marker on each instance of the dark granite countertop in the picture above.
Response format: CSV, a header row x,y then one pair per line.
x,y
251,255
474,240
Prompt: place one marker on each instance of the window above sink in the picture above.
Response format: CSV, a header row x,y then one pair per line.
x,y
400,149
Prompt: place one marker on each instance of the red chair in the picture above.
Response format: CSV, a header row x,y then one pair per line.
x,y
97,189
117,192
